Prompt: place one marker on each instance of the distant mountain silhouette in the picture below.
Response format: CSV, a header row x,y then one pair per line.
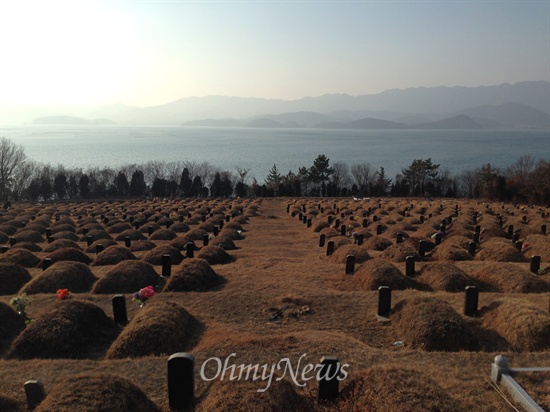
x,y
515,115
70,120
521,105
460,121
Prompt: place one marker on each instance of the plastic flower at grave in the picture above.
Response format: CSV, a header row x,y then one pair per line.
x,y
21,302
63,294
143,295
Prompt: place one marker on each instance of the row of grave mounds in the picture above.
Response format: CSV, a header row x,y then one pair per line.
x,y
78,222
79,329
380,223
366,390
448,276
127,276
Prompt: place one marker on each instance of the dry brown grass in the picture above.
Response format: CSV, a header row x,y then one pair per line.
x,y
113,255
69,329
22,257
215,255
12,277
395,388
128,276
445,276
377,272
75,276
160,328
193,275
525,326
510,278
432,324
280,268
97,393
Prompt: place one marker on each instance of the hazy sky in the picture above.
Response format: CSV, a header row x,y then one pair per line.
x,y
152,52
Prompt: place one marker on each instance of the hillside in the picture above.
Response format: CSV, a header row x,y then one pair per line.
x,y
280,295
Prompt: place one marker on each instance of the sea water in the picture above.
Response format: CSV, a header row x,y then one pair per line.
x,y
84,147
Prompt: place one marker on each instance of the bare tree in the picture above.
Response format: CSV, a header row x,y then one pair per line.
x,y
340,177
523,166
242,173
12,156
468,182
364,175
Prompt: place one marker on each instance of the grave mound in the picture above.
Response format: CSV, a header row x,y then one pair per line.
x,y
8,404
38,227
458,240
497,251
431,324
142,245
215,255
181,242
75,276
12,278
12,324
445,276
318,226
340,255
159,328
224,242
206,226
8,229
30,246
70,254
22,257
234,225
4,238
128,276
399,252
329,232
414,391
537,245
163,234
226,395
96,234
66,235
154,257
451,251
180,227
119,228
378,272
70,329
96,393
113,255
63,227
103,242
132,234
193,275
232,234
29,236
61,243
510,278
378,243
196,234
524,326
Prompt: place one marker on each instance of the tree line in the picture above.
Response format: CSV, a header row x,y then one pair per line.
x,y
22,179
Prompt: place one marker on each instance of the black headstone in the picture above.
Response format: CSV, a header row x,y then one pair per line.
x,y
330,247
350,264
34,391
127,241
535,264
409,266
328,383
189,250
384,301
119,309
472,248
471,299
181,381
166,265
46,263
322,239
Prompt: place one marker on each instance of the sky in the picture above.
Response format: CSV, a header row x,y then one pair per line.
x,y
147,53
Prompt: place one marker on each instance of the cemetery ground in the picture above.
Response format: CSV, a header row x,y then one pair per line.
x,y
267,290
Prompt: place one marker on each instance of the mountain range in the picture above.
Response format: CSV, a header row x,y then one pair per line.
x,y
523,105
